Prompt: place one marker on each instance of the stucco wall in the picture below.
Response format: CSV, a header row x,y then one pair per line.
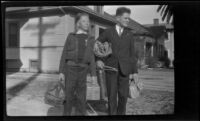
x,y
42,39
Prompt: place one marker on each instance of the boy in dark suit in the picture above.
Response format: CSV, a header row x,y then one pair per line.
x,y
123,58
77,59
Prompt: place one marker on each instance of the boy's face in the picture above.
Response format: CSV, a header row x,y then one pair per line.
x,y
124,19
84,23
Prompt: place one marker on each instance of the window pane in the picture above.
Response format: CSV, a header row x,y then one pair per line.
x,y
13,41
101,30
13,28
13,35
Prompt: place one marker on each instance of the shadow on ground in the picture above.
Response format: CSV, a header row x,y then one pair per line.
x,y
14,91
55,111
98,105
151,102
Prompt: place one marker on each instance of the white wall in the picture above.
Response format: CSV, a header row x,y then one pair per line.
x,y
51,33
43,39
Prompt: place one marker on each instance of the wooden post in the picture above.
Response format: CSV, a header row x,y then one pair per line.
x,y
144,52
152,50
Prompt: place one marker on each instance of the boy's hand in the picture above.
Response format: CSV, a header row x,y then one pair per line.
x,y
61,77
100,64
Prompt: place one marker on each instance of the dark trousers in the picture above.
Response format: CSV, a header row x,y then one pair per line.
x,y
117,90
102,84
75,90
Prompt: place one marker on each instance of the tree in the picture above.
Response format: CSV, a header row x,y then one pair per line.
x,y
166,12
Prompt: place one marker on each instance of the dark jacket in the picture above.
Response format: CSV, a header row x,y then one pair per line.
x,y
70,52
123,50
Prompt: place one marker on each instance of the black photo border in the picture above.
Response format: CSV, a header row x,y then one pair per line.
x,y
186,34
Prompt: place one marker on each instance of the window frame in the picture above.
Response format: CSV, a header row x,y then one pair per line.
x,y
18,34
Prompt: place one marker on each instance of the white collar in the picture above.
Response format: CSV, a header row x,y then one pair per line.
x,y
81,32
118,27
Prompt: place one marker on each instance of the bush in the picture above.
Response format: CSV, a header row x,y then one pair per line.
x,y
165,60
152,62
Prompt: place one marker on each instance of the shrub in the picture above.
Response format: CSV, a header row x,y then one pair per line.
x,y
165,60
151,62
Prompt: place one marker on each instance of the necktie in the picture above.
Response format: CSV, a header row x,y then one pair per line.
x,y
120,31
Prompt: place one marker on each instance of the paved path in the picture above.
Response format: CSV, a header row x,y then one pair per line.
x,y
25,92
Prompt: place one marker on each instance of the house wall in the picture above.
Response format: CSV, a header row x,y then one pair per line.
x,y
13,61
41,39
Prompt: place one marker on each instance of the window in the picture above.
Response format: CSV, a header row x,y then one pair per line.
x,y
34,65
13,34
92,29
101,30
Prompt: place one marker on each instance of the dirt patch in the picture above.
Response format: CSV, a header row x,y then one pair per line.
x,y
151,102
